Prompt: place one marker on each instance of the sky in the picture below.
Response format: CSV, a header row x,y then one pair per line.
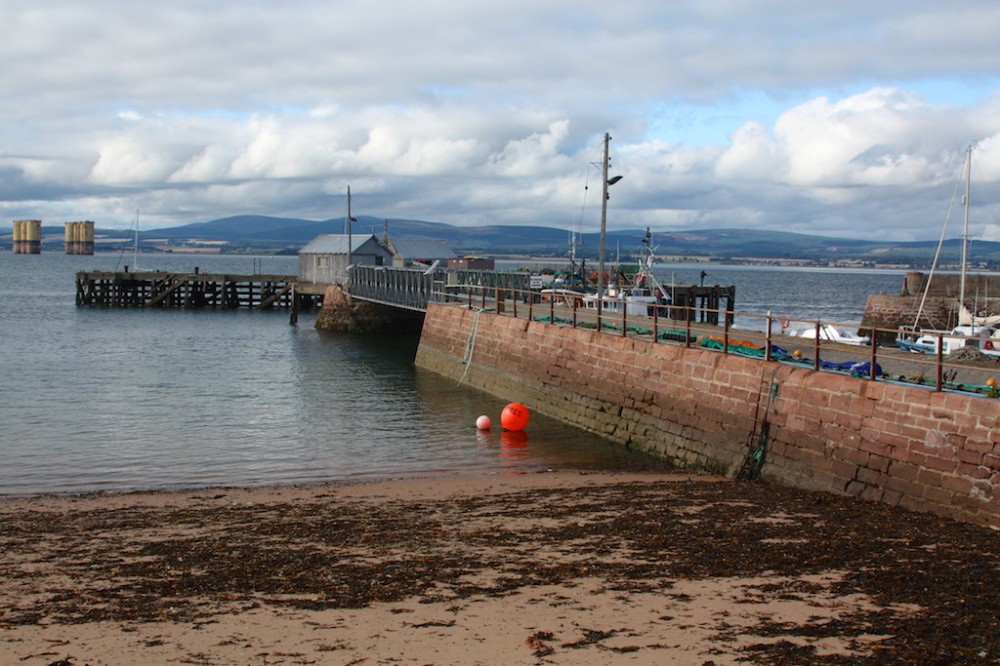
x,y
848,119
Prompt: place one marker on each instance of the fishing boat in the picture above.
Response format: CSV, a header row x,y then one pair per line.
x,y
637,294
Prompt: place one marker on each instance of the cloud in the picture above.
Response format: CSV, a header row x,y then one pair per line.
x,y
846,119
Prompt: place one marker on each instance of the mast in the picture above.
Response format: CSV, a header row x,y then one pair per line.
x,y
348,221
965,230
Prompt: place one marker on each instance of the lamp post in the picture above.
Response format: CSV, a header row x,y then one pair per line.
x,y
605,183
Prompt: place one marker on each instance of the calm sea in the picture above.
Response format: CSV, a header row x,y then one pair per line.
x,y
102,399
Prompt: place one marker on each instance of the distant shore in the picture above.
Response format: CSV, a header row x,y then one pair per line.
x,y
561,568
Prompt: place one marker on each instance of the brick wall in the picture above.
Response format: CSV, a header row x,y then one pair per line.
x,y
903,445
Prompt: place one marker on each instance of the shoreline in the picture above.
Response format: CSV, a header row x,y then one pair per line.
x,y
555,568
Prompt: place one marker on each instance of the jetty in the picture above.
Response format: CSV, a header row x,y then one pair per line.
x,y
158,289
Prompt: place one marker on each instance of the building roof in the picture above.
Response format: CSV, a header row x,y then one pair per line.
x,y
422,248
337,244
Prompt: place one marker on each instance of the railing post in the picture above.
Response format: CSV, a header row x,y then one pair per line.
x,y
656,332
871,369
624,316
816,348
552,309
599,304
574,311
531,307
940,361
767,339
725,332
687,327
514,298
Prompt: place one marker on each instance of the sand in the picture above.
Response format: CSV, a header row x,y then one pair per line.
x,y
544,568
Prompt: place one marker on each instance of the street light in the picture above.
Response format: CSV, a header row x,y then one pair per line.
x,y
606,182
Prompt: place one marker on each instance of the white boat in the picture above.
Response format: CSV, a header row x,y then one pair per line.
x,y
641,295
831,333
984,338
561,296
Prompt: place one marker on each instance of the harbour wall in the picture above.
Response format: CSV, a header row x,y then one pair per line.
x,y
906,446
928,303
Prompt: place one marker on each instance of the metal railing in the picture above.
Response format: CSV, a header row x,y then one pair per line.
x,y
768,337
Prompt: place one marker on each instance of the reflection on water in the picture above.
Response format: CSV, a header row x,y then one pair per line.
x,y
116,399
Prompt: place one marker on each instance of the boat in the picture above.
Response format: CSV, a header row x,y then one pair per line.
x,y
973,331
640,294
831,333
561,296
985,339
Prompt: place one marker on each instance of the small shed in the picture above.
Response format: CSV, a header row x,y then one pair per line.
x,y
424,251
324,259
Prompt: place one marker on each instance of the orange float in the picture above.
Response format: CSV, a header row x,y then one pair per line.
x,y
515,417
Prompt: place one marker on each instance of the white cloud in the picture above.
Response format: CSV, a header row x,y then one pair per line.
x,y
471,112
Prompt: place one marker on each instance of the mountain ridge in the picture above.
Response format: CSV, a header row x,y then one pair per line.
x,y
262,233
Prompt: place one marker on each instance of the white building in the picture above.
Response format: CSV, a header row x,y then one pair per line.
x,y
325,258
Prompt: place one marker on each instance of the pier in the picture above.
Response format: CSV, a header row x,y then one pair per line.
x,y
148,289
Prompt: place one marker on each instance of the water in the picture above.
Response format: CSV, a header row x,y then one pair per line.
x,y
104,399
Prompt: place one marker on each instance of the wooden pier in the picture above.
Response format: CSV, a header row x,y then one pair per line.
x,y
145,289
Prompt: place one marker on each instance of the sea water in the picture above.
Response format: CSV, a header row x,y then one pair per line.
x,y
116,399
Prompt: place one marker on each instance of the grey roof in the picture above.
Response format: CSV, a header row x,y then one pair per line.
x,y
422,248
336,243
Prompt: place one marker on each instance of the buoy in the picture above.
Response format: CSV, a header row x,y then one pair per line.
x,y
992,383
484,422
515,417
797,353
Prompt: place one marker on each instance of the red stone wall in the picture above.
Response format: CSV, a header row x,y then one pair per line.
x,y
891,312
902,445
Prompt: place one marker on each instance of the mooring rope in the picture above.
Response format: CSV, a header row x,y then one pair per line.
x,y
470,345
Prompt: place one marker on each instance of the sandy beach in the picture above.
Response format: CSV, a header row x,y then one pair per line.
x,y
545,568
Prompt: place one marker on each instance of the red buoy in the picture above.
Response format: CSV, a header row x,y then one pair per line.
x,y
515,417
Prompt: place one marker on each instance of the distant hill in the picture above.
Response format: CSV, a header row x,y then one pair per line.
x,y
260,233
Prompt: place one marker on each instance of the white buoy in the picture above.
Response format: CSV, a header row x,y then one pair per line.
x,y
483,422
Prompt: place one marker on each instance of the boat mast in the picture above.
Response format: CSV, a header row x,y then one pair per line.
x,y
965,230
